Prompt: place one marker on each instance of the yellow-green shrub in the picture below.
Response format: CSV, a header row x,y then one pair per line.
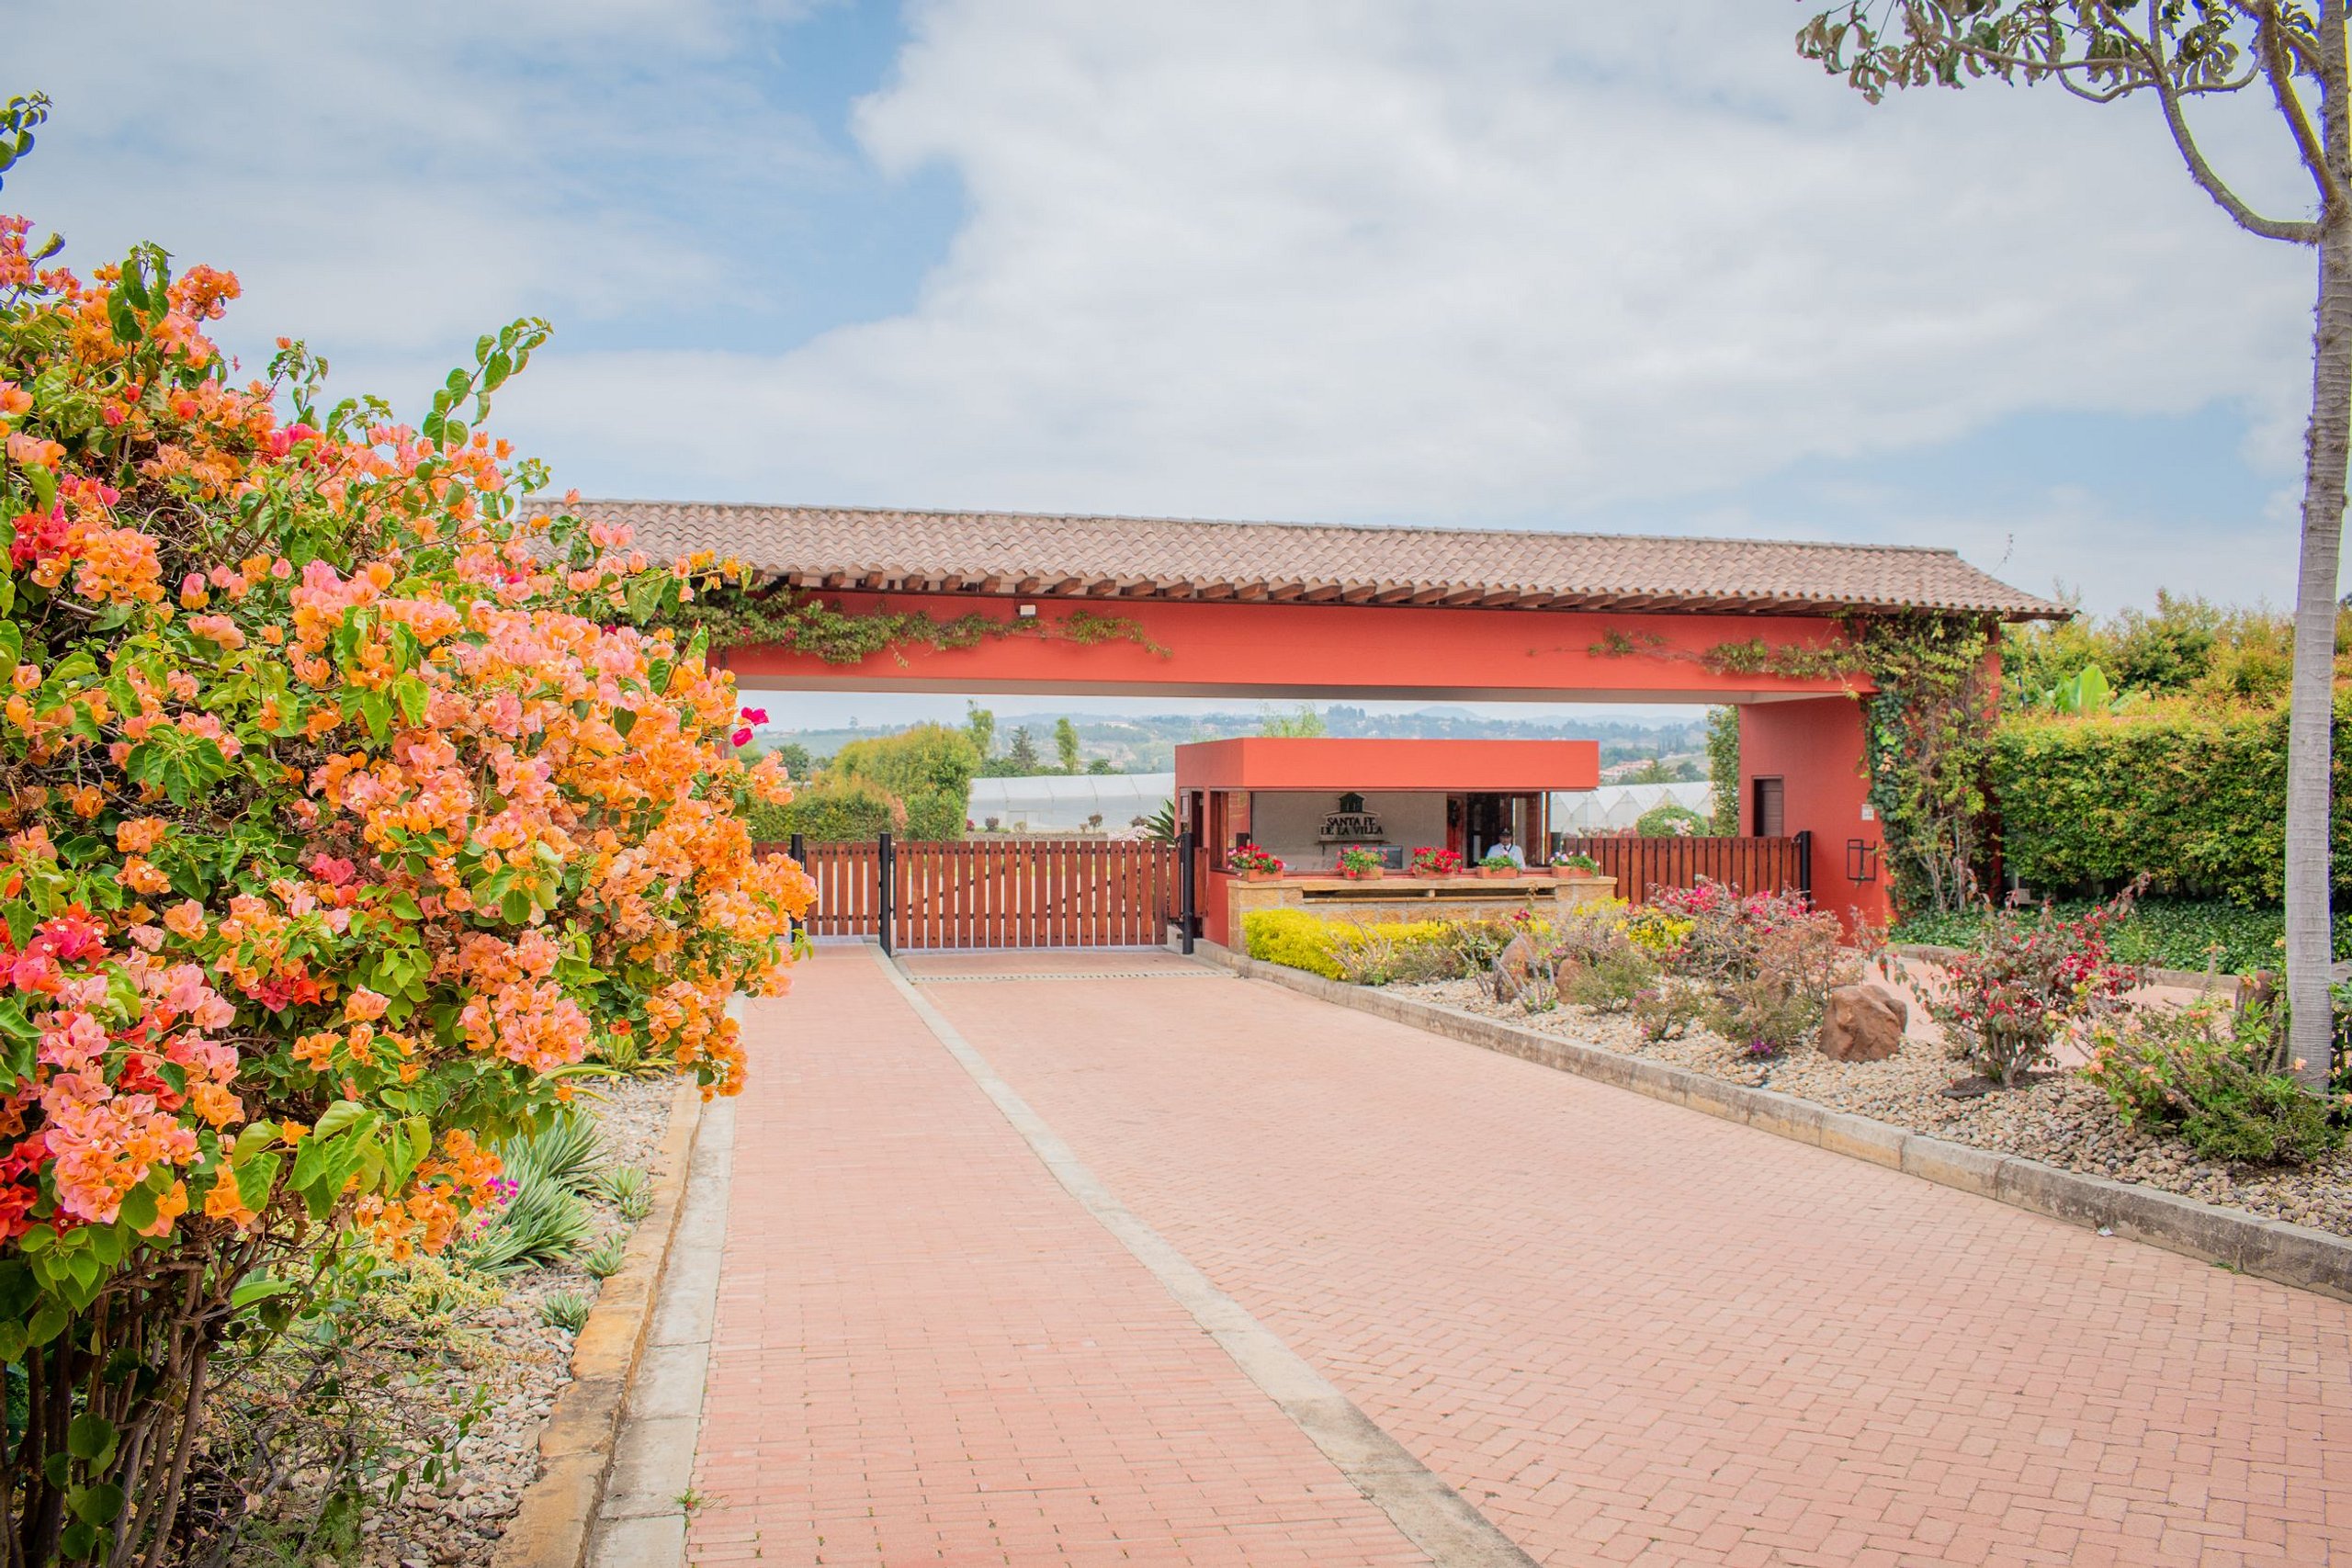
x,y
1294,939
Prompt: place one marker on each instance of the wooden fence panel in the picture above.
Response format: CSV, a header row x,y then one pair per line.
x,y
1752,866
997,894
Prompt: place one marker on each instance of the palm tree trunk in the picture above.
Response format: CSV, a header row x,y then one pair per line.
x,y
2310,734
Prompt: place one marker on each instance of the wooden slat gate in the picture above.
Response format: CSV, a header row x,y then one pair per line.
x,y
1752,866
996,893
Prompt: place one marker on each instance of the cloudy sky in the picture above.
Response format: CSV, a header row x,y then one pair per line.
x,y
1484,262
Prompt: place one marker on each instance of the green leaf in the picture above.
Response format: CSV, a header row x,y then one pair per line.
x,y
414,696
257,1178
97,1504
90,1439
79,1539
13,1342
139,1208
376,709
260,1288
343,1113
257,1136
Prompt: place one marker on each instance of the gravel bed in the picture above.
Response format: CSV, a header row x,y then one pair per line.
x,y
2062,1119
522,1363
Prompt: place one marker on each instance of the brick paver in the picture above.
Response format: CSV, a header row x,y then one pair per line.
x,y
926,1351
1631,1333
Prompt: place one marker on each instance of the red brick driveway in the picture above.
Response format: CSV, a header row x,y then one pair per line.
x,y
1628,1332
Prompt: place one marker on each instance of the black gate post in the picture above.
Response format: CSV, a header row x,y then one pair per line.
x,y
1805,862
886,862
1185,891
798,850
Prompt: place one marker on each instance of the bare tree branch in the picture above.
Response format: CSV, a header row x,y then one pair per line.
x,y
2299,232
2280,69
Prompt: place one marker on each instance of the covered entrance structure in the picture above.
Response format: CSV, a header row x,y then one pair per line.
x,y
1283,611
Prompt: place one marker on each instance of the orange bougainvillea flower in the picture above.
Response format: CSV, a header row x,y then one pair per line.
x,y
371,799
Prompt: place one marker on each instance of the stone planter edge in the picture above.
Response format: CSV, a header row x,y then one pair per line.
x,y
553,1521
2251,1244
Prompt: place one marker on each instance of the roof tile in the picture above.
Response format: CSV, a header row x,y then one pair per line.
x,y
1174,558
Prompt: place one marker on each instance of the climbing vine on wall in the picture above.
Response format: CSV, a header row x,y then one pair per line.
x,y
1928,738
1927,730
736,614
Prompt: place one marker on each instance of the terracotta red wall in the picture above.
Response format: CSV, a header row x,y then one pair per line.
x,y
1314,650
1325,764
1816,747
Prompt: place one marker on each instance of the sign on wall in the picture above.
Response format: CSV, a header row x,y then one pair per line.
x,y
1350,824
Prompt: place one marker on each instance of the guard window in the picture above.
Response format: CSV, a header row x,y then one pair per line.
x,y
1770,817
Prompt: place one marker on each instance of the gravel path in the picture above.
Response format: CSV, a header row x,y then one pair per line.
x,y
522,1363
2061,1120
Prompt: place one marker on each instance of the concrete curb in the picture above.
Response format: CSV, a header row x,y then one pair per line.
x,y
2273,1249
550,1528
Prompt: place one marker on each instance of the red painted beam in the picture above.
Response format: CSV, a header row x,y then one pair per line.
x,y
1301,650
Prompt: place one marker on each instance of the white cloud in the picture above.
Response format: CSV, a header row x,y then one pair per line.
x,y
394,179
1490,261
1481,261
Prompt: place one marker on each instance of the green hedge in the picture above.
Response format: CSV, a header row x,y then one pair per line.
x,y
2172,934
832,813
2196,800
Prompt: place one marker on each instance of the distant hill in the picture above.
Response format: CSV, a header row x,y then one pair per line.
x,y
1146,743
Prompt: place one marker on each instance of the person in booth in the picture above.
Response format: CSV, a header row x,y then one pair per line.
x,y
1505,847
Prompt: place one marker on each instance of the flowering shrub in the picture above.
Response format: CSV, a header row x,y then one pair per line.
x,y
2187,1069
2025,983
1249,857
1669,821
1564,861
1596,963
1292,938
345,805
1495,860
1764,962
1356,860
1430,860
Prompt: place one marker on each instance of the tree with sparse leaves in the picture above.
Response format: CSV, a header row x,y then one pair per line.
x,y
2179,52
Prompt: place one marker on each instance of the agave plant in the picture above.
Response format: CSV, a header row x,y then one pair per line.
x,y
567,1310
565,1153
603,1259
541,1225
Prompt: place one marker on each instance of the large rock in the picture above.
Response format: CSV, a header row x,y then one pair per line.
x,y
1519,968
1864,1023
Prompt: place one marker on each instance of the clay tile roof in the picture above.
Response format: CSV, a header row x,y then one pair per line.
x,y
1022,553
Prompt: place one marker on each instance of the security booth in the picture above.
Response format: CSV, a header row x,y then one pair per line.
x,y
1307,801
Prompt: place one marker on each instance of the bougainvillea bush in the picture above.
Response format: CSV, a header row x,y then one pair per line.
x,y
346,806
2029,981
1762,963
